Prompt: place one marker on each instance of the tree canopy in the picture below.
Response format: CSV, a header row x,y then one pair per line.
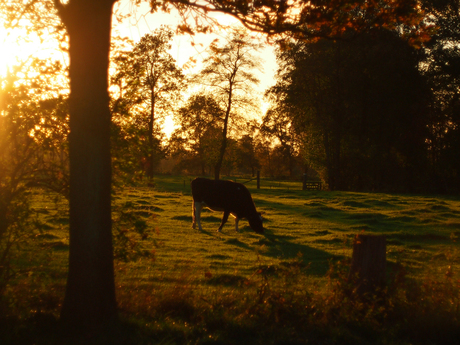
x,y
361,107
149,88
228,74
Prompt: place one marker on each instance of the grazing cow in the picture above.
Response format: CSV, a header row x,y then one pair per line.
x,y
227,196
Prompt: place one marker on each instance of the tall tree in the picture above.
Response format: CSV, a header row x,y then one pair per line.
x,y
89,305
199,122
246,159
277,123
228,72
441,66
362,100
150,86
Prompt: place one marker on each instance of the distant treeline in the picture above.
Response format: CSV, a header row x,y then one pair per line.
x,y
365,111
370,111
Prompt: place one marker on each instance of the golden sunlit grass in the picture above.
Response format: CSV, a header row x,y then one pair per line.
x,y
179,285
182,286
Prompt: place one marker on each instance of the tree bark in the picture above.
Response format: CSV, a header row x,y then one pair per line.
x,y
223,145
89,304
368,263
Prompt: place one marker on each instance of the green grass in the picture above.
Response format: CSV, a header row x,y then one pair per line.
x,y
421,231
178,285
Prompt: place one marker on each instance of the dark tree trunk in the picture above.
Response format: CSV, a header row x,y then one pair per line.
x,y
89,304
223,148
223,145
203,168
368,263
220,160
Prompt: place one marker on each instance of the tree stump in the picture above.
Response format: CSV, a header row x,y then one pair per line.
x,y
368,263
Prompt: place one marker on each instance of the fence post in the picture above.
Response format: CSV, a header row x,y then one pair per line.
x,y
258,179
368,263
304,182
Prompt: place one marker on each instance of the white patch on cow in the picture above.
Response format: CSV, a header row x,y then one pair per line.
x,y
236,223
197,207
196,214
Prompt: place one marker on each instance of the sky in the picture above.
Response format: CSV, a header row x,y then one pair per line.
x,y
17,46
142,22
138,22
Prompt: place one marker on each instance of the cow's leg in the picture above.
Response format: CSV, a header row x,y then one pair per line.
x,y
236,224
193,215
224,220
198,206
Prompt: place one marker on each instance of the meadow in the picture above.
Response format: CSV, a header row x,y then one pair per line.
x,y
176,285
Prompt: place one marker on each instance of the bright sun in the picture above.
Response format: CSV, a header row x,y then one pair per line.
x,y
8,51
17,45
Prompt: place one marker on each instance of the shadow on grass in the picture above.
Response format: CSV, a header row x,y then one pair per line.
x,y
39,328
281,247
45,329
236,242
278,246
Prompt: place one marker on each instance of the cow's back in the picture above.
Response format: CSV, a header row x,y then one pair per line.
x,y
222,194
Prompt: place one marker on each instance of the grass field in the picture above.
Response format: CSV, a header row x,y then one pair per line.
x,y
176,285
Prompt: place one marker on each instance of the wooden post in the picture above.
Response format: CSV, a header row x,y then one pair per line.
x,y
304,183
368,263
258,179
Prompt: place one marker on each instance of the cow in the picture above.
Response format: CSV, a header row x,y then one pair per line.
x,y
224,196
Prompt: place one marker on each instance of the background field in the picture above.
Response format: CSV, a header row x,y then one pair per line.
x,y
165,267
421,231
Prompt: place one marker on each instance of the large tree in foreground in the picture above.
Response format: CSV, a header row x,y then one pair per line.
x,y
90,304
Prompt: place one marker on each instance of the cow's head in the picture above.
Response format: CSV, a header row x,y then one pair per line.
x,y
255,222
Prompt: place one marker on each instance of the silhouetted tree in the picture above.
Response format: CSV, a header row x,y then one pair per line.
x,y
441,66
360,106
150,86
89,305
197,135
246,159
277,123
228,72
